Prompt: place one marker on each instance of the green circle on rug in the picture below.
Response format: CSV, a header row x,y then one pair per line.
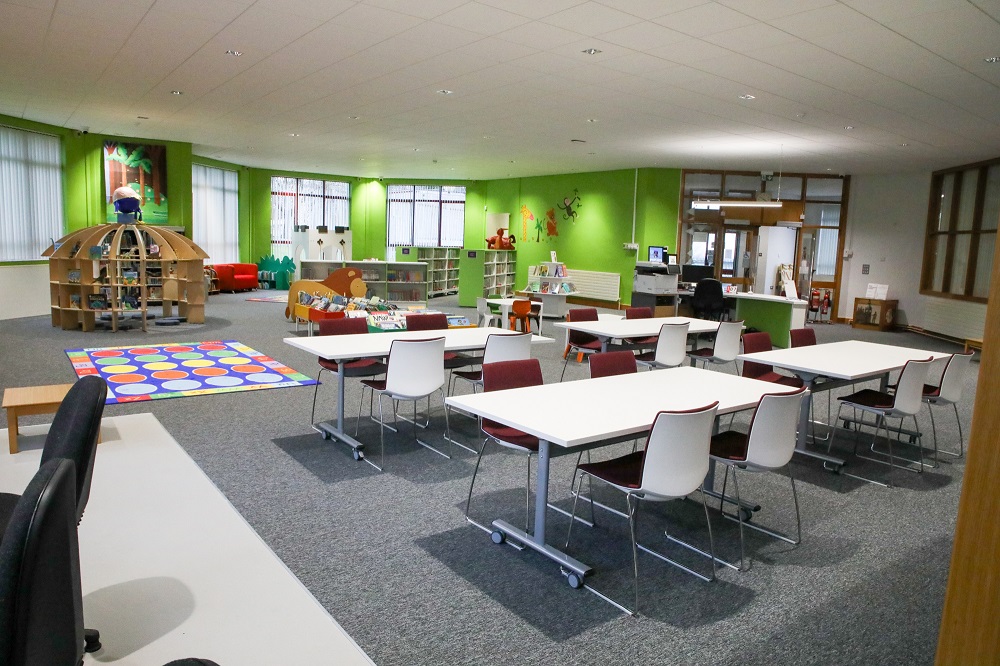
x,y
150,358
188,355
222,352
113,360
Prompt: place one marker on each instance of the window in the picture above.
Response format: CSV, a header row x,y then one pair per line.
x,y
31,194
302,202
426,215
961,232
215,218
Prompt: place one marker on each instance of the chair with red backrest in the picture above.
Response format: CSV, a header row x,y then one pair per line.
x,y
761,342
438,321
640,313
725,349
499,347
365,367
415,370
802,337
606,364
671,348
580,343
520,311
768,445
498,377
672,466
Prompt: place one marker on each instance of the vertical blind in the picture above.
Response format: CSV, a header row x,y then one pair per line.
x,y
305,202
215,218
425,215
31,193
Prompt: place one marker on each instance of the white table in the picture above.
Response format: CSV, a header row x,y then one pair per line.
x,y
607,330
582,414
343,348
843,363
505,305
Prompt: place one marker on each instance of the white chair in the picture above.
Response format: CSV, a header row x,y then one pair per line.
x,y
486,316
672,466
499,347
767,446
906,401
414,371
671,348
949,393
725,349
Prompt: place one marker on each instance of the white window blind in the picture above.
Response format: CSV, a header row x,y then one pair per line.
x,y
215,218
31,193
306,202
425,215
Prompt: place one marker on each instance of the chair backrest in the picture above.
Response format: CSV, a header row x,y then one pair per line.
x,y
482,308
520,307
707,297
638,313
953,378
909,394
41,602
427,322
416,367
501,347
512,374
74,432
773,429
536,305
753,343
727,340
671,346
606,364
676,459
343,326
581,314
802,337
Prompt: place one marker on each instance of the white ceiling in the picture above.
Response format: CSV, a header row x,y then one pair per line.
x,y
351,88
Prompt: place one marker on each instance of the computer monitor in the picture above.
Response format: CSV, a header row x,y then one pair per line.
x,y
656,253
693,273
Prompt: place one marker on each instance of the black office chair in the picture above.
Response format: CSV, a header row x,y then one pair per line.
x,y
73,436
707,302
41,603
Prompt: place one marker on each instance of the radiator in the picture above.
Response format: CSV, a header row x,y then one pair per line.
x,y
595,284
954,318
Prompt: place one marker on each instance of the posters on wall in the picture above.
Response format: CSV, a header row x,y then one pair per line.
x,y
143,167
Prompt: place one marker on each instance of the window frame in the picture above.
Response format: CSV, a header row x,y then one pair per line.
x,y
412,201
326,197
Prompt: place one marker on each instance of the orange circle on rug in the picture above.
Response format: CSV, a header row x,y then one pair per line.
x,y
208,347
248,368
126,379
209,372
142,351
174,350
107,352
169,374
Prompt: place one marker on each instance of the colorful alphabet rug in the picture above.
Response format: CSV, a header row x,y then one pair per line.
x,y
176,370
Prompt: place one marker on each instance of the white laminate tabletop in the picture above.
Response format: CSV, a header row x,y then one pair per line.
x,y
850,359
632,328
370,345
794,302
590,410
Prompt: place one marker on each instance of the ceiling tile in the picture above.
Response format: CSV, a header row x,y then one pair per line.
x,y
705,19
481,19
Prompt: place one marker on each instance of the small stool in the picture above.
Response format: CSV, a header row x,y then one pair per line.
x,y
29,400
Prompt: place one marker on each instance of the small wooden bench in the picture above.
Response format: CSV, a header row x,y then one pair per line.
x,y
973,343
29,400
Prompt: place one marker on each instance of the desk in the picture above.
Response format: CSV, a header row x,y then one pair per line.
x,y
842,363
28,400
369,345
774,314
582,414
609,329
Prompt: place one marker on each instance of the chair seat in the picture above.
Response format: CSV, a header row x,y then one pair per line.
x,y
702,353
510,437
471,375
931,391
624,472
454,360
363,367
646,356
778,378
869,398
374,384
651,340
591,345
730,445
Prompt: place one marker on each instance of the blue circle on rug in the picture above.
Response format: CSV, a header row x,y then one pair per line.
x,y
225,380
265,377
181,385
136,389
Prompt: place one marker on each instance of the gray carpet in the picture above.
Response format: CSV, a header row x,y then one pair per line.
x,y
392,558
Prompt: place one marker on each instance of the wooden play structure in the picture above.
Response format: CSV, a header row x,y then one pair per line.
x,y
346,282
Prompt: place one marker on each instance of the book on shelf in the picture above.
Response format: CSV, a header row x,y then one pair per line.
x,y
533,286
73,277
532,271
74,300
96,252
130,277
568,287
543,270
97,302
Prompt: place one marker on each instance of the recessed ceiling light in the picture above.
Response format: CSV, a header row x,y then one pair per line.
x,y
903,145
445,92
416,150
234,52
361,159
513,161
748,96
487,136
293,134
593,120
829,169
176,92
992,59
354,117
591,51
848,127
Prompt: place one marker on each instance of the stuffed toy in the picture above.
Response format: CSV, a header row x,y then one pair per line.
x,y
500,241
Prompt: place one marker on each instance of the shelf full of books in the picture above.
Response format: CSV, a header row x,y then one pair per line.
x,y
396,282
486,273
442,267
553,283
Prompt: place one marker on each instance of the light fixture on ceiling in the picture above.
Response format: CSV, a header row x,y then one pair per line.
x,y
591,51
176,92
354,117
143,117
593,120
714,204
992,59
748,97
234,52
848,127
293,134
445,92
577,141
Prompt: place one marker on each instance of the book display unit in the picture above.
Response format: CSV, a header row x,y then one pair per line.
x,y
114,272
552,282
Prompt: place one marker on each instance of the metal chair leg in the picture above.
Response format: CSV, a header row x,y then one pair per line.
x,y
635,551
739,515
312,414
475,471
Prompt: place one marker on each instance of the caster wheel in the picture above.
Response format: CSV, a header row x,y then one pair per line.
x,y
497,537
325,435
358,454
746,515
575,580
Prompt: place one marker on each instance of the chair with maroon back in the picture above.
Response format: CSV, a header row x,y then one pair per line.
x,y
606,364
648,342
365,367
761,342
438,321
577,342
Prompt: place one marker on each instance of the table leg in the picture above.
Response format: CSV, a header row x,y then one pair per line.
x,y
328,430
505,313
803,434
12,429
536,541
